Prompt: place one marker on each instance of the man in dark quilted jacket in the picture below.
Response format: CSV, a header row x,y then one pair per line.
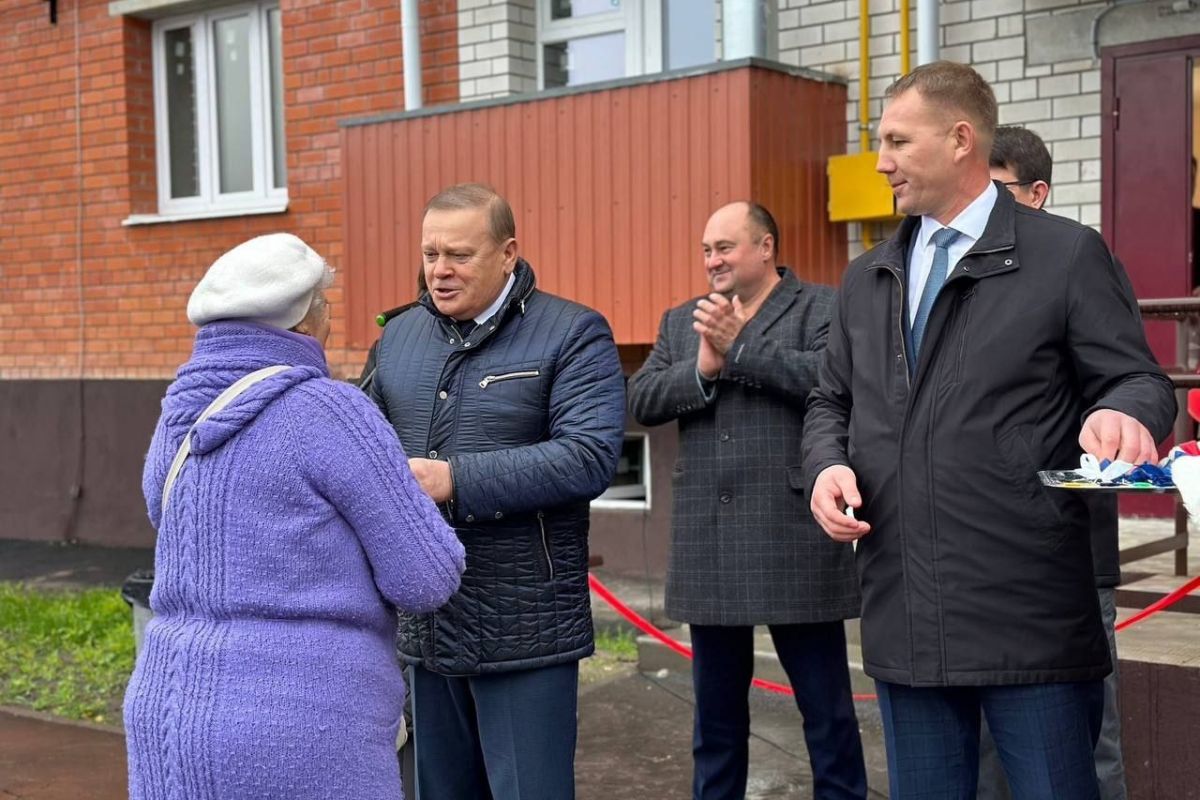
x,y
510,403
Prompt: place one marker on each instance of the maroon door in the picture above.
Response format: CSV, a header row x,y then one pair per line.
x,y
1148,217
1147,187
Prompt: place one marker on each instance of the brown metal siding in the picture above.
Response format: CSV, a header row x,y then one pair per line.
x,y
797,125
611,188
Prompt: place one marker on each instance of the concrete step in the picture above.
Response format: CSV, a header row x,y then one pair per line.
x,y
1141,589
642,595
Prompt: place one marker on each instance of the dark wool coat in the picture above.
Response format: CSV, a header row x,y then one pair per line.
x,y
974,573
744,547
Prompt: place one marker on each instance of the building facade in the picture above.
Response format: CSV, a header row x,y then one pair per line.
x,y
141,138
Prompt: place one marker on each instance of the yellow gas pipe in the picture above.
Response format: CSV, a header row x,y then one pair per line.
x,y
864,81
864,91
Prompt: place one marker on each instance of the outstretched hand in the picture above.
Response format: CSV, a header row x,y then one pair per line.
x,y
1115,436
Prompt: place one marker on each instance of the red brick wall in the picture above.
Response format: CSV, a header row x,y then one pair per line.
x,y
83,295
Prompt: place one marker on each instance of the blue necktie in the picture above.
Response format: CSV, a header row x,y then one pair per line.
x,y
933,283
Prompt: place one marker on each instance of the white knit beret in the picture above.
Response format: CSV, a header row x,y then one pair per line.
x,y
268,279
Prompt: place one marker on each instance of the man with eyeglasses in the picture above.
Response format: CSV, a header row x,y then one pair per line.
x,y
1021,161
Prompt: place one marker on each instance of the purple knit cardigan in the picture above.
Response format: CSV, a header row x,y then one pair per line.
x,y
269,669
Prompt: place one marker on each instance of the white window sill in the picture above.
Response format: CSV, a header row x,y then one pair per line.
x,y
621,505
212,213
148,9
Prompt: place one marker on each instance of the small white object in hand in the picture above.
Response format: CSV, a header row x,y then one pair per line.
x,y
1089,467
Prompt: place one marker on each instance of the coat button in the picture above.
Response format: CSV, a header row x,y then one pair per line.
x,y
1008,262
470,517
499,515
451,340
433,453
443,394
726,497
724,436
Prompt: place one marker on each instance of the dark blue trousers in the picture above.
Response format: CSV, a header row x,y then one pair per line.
x,y
1044,734
503,736
814,657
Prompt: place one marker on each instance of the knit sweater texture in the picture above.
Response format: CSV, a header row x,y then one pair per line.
x,y
294,528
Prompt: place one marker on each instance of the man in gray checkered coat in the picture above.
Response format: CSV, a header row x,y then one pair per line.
x,y
734,369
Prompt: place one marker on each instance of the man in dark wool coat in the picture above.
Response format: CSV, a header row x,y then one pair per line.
x,y
734,368
982,342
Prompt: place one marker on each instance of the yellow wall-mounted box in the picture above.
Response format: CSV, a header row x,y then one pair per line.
x,y
856,191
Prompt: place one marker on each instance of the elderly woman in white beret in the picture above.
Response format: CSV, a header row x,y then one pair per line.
x,y
289,527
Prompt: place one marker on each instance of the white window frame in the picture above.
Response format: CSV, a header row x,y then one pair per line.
x,y
263,196
639,20
620,504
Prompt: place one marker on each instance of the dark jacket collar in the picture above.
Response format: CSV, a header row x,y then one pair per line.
x,y
998,236
524,284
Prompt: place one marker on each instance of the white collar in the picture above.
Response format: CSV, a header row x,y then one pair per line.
x,y
499,301
970,222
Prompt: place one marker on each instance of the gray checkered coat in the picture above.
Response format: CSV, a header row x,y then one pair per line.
x,y
744,547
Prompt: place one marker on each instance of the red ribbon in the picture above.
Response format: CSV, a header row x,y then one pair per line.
x,y
646,627
1158,605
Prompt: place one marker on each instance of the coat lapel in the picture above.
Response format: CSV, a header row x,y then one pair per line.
x,y
777,303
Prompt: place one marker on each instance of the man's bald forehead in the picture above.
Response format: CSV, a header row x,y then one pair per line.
x,y
755,217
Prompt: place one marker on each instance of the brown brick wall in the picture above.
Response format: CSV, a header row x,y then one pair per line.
x,y
83,295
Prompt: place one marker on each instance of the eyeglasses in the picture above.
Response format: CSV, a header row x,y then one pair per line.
x,y
1018,183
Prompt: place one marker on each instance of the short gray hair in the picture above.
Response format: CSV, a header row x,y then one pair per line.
x,y
318,301
501,224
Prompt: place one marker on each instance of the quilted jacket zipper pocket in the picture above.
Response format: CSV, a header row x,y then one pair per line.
x,y
508,376
546,544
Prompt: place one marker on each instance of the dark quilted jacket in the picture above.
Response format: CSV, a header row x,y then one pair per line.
x,y
530,413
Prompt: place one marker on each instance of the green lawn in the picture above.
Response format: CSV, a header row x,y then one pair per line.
x,y
620,644
68,653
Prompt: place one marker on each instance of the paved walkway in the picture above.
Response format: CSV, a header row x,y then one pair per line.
x,y
635,730
53,564
47,760
634,744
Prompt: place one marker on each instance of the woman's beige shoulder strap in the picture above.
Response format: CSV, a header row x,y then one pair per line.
x,y
223,399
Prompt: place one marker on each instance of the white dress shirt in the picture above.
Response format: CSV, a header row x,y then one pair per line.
x,y
969,223
494,307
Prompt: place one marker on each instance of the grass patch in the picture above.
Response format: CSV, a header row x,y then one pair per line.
x,y
615,657
70,652
66,652
618,644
